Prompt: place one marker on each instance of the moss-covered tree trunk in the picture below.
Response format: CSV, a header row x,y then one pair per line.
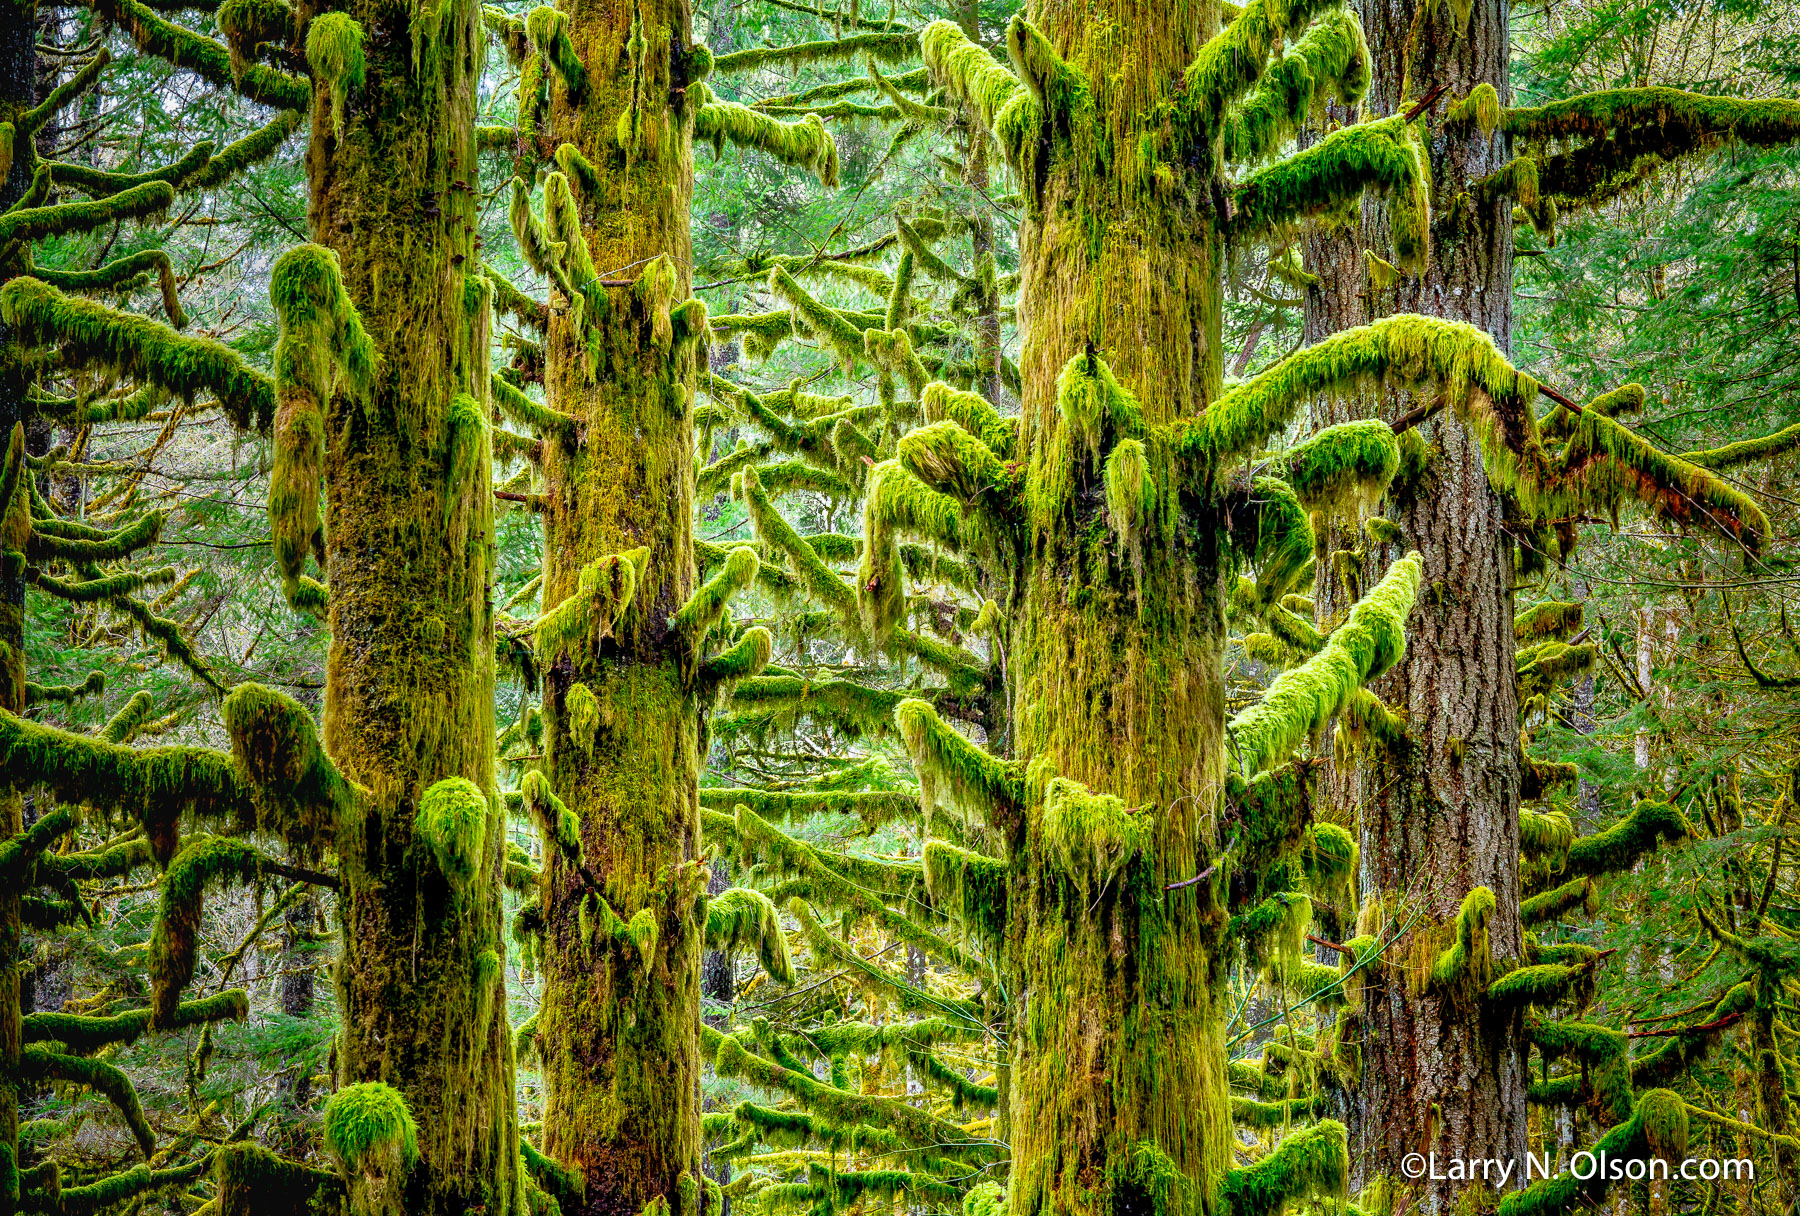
x,y
410,679
18,87
1439,817
618,1029
1118,681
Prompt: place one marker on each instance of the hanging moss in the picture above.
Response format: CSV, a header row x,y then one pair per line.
x,y
896,502
741,918
1467,964
1382,157
1304,699
1344,464
334,50
96,336
1578,893
1745,451
1658,1127
1543,986
1548,620
370,1130
548,31
843,1108
276,753
1309,1164
1479,109
253,1181
941,403
154,784
203,861
1329,62
1091,836
707,605
945,759
452,822
803,143
83,1034
603,592
1548,834
559,1182
559,823
41,1064
885,47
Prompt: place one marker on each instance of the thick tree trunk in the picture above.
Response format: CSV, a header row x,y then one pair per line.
x,y
18,92
619,1030
1117,1046
410,677
1442,818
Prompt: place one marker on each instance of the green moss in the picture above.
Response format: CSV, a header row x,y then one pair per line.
x,y
559,823
41,1064
948,761
1381,157
1304,699
604,590
1309,1164
93,335
1091,836
896,503
1620,846
707,605
803,143
1549,619
1552,904
203,861
1548,834
1329,62
334,51
1543,986
971,411
548,30
1467,964
1745,451
253,1181
885,47
370,1129
1352,462
741,918
1479,109
83,1034
1658,1127
452,822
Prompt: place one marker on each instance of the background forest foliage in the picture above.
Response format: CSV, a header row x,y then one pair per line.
x,y
1686,688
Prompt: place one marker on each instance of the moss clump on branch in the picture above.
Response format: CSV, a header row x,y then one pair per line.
x,y
1310,1164
452,822
370,1129
1658,1127
1468,962
1305,698
803,143
334,50
1382,157
204,861
1344,464
1330,60
740,919
93,335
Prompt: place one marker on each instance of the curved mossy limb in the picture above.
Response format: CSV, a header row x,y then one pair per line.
x,y
94,335
1658,1127
1305,698
254,1181
741,918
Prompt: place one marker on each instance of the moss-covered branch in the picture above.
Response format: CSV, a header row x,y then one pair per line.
x,y
1330,61
1305,698
94,335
